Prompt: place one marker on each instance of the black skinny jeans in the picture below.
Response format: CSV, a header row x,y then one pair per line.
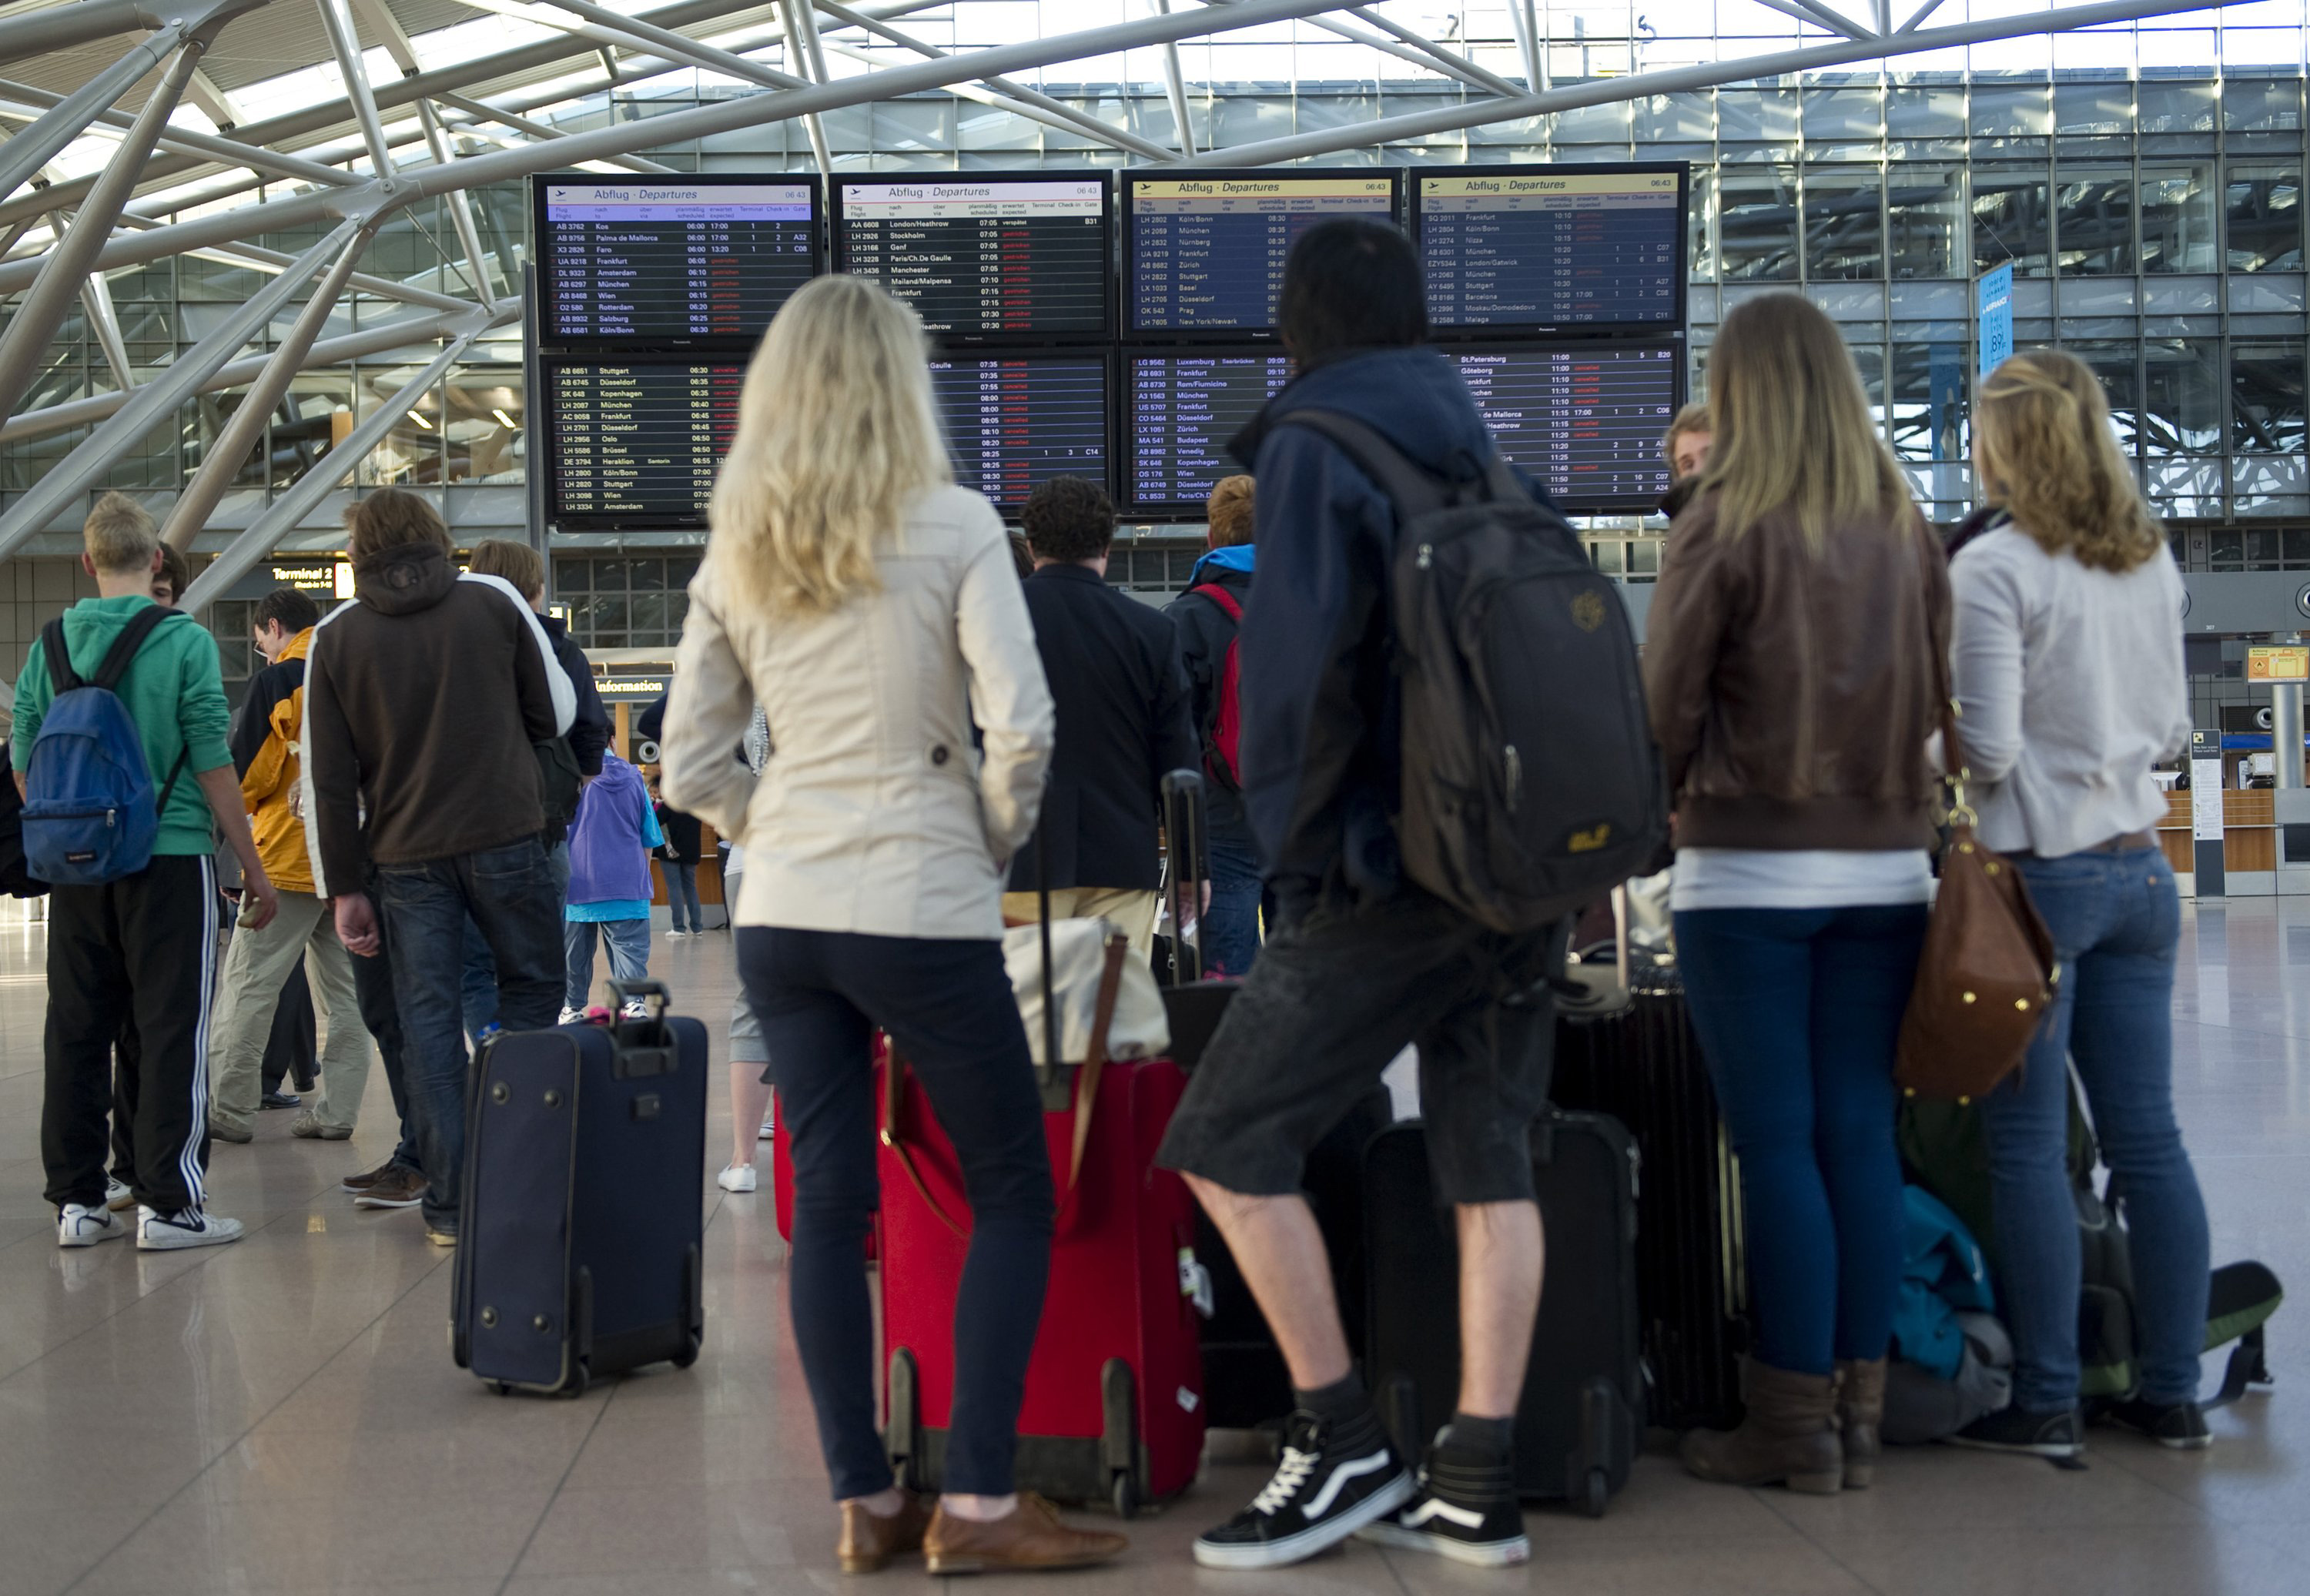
x,y
948,1008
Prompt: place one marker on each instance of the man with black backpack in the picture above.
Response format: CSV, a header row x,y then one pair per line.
x,y
121,759
1443,753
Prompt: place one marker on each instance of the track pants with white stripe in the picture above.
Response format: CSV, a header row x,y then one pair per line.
x,y
143,947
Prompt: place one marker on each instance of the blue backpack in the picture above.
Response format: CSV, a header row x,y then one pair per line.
x,y
90,815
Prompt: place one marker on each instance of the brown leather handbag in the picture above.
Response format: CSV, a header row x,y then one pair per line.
x,y
1986,976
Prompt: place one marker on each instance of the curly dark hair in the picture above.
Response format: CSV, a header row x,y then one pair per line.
x,y
1068,520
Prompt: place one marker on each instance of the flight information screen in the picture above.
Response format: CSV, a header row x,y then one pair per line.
x,y
980,258
1543,248
635,261
1206,253
1179,413
637,444
1011,423
1584,420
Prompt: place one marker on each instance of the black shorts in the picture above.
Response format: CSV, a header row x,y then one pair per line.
x,y
1330,1002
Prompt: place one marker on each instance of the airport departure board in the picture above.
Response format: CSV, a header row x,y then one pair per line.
x,y
983,258
670,262
1013,423
1180,410
1542,249
1584,421
638,443
1206,253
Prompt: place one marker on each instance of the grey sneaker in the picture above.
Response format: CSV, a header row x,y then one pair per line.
x,y
309,1125
117,1197
190,1228
218,1131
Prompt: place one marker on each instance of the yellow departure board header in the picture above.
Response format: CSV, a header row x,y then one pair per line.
x,y
1331,187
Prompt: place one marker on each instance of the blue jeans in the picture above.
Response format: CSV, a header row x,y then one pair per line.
x,y
2115,921
628,942
510,894
681,896
1799,1012
948,1008
1231,924
480,993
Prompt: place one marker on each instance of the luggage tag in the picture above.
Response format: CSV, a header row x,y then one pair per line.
x,y
1195,1283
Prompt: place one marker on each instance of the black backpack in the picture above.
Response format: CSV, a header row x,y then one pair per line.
x,y
1532,785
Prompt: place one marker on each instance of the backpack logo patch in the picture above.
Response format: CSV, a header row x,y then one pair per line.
x,y
1588,614
1591,839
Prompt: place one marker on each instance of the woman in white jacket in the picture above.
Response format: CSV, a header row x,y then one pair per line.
x,y
870,606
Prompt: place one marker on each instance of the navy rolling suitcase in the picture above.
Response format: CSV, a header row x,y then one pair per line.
x,y
579,1254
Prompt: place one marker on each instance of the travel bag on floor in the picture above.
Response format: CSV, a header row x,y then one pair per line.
x,y
580,1249
1113,1404
1578,1423
1643,1066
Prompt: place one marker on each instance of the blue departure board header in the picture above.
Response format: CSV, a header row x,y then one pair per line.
x,y
1205,253
1547,249
687,263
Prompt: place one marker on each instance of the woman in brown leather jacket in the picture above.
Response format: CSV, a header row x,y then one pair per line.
x,y
1790,658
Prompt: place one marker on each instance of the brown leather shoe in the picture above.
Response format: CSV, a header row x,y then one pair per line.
x,y
1030,1537
1860,1411
1790,1437
869,1540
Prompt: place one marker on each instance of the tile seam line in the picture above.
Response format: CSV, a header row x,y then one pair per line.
x,y
170,1500
1766,1496
209,1256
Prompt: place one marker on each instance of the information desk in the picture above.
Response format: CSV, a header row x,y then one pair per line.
x,y
637,443
703,261
1180,410
983,257
1584,420
1545,249
1014,421
1204,253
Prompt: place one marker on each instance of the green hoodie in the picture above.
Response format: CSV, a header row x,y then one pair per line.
x,y
174,691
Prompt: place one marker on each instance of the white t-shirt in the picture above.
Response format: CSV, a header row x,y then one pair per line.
x,y
1798,878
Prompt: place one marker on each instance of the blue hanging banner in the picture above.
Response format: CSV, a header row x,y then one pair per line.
x,y
1994,308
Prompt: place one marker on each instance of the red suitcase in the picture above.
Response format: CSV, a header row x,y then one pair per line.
x,y
1114,1405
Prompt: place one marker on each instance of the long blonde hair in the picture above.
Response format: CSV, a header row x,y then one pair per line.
x,y
2048,455
1792,427
838,433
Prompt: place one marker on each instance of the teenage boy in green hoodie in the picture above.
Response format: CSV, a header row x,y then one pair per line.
x,y
144,945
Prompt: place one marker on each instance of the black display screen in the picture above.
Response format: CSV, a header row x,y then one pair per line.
x,y
1550,248
670,262
637,444
983,257
1014,423
1583,420
1206,253
1179,413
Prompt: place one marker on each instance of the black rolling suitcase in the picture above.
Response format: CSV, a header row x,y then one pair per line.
x,y
1643,1066
579,1254
1581,1413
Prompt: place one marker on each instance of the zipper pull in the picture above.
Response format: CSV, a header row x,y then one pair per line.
x,y
1515,764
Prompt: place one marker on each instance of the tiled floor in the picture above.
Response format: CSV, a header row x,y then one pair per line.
x,y
281,1415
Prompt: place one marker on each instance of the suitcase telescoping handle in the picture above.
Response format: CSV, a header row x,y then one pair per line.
x,y
1188,855
643,1046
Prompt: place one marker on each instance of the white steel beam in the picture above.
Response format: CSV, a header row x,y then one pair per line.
x,y
461,212
1174,89
377,20
539,131
207,146
213,101
338,21
798,54
23,155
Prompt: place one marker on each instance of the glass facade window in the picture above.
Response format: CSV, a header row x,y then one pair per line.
x,y
2177,221
632,601
2114,362
1757,223
1928,400
1925,209
1844,230
2095,212
2181,411
2266,396
483,433
2263,202
2011,220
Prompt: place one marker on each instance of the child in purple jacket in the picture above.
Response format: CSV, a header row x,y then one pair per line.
x,y
609,880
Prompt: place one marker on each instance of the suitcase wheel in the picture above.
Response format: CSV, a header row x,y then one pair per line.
x,y
501,1387
1597,1491
1125,1493
573,1387
689,1353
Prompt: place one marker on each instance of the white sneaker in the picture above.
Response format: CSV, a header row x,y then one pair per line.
x,y
570,1016
634,1008
738,1177
117,1197
81,1227
160,1233
769,1131
675,935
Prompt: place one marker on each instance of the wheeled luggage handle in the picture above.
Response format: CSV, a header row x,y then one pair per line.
x,y
1184,844
643,1047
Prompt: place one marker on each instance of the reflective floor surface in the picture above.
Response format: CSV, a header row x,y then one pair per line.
x,y
281,1415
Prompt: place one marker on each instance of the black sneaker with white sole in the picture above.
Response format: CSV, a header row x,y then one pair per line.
x,y
1322,1493
2180,1426
1463,1509
2055,1435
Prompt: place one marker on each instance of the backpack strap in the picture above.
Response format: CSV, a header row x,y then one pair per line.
x,y
62,678
1412,488
1224,600
122,652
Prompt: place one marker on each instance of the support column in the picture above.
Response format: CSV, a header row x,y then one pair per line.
x,y
2291,803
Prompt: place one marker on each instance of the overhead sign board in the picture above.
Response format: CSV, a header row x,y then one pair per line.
x,y
1993,303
